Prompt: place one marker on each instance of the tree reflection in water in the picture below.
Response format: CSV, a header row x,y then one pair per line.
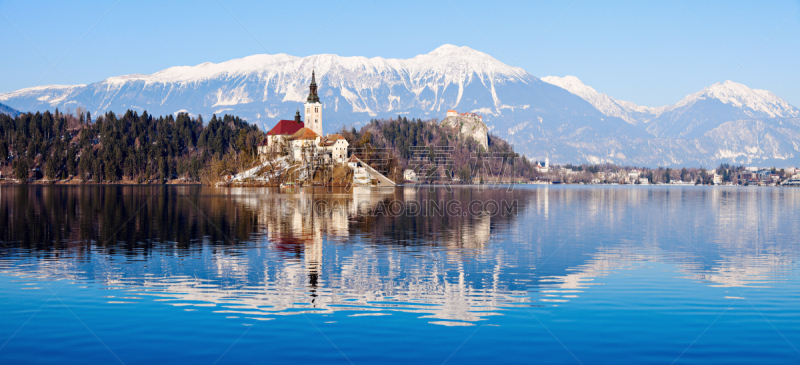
x,y
274,253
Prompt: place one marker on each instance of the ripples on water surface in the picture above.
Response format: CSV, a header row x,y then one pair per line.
x,y
558,275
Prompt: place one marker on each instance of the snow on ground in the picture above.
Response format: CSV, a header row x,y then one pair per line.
x,y
269,170
256,174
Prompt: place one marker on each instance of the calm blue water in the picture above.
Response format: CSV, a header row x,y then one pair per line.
x,y
565,274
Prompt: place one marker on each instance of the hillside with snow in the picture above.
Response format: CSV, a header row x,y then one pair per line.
x,y
725,122
715,105
266,88
626,110
560,117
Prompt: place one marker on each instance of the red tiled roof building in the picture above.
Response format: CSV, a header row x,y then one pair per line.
x,y
287,127
283,129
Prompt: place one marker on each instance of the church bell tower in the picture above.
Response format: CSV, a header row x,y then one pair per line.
x,y
313,108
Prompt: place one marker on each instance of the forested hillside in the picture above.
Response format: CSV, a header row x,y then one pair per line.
x,y
399,143
111,148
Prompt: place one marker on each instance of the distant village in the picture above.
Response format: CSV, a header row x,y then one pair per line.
x,y
723,175
616,175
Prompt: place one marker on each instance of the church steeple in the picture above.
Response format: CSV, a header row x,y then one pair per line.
x,y
313,107
312,90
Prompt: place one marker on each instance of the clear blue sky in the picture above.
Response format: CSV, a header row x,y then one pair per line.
x,y
650,52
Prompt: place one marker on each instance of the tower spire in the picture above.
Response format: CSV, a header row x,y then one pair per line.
x,y
312,89
313,107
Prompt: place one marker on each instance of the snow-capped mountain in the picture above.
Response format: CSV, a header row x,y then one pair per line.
x,y
709,108
626,110
712,106
725,122
266,88
561,117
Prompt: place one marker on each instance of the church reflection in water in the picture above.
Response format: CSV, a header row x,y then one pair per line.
x,y
322,271
261,253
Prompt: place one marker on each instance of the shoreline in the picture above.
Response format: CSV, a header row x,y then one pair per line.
x,y
89,183
9,182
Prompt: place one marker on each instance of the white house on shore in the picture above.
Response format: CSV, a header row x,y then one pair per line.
x,y
544,167
410,175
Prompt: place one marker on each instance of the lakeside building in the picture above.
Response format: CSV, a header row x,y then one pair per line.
x,y
410,175
543,167
633,175
793,181
717,178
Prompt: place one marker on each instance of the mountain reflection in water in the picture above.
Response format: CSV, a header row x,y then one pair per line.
x,y
260,253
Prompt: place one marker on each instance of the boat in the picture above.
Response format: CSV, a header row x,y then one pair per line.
x,y
288,185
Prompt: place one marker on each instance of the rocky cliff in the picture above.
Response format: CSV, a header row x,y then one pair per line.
x,y
469,127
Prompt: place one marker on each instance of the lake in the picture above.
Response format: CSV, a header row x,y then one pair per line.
x,y
504,274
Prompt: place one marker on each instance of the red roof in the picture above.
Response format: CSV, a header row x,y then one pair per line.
x,y
285,128
331,139
304,133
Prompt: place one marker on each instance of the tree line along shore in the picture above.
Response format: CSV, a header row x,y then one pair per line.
x,y
133,148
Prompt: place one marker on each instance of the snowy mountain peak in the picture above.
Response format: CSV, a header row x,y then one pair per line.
x,y
573,85
450,48
754,102
208,70
449,51
557,116
446,59
602,102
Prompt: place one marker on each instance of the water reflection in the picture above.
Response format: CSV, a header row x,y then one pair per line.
x,y
260,253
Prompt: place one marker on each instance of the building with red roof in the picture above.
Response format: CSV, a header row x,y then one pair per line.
x,y
279,134
453,113
286,127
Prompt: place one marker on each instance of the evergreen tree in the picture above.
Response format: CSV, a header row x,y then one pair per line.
x,y
50,168
21,169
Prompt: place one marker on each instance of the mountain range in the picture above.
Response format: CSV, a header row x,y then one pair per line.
x,y
556,116
5,109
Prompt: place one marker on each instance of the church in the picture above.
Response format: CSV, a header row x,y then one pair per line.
x,y
304,141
